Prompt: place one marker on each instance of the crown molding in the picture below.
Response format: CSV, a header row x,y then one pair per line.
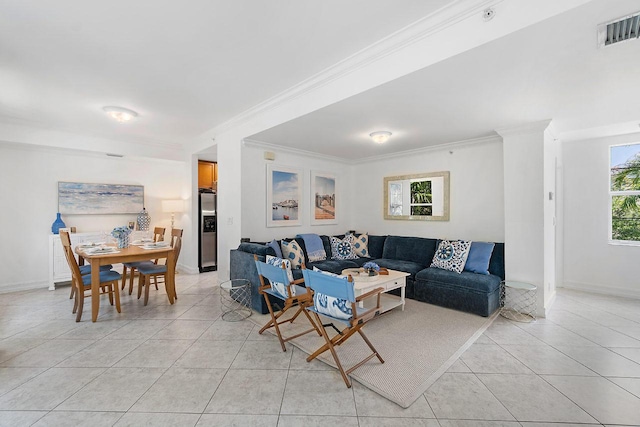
x,y
426,26
46,127
539,126
254,143
438,147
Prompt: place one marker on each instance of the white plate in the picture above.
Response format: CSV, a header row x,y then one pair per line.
x,y
102,251
90,245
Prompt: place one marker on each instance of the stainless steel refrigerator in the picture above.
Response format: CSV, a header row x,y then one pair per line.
x,y
207,259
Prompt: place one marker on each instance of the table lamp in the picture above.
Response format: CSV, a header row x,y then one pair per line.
x,y
173,206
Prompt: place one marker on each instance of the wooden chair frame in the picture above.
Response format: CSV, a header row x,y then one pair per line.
x,y
111,288
158,236
280,275
144,280
342,288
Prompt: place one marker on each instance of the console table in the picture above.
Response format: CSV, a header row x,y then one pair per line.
x,y
58,266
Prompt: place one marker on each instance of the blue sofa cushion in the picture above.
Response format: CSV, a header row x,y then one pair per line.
x,y
496,265
276,248
361,261
376,246
395,264
415,249
479,257
333,265
256,249
470,281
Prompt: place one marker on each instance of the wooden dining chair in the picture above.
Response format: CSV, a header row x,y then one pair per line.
x,y
158,236
276,282
149,270
108,280
334,298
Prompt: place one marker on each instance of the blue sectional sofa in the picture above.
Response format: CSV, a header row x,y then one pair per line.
x,y
470,292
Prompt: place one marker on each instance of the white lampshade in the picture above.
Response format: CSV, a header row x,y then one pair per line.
x,y
172,206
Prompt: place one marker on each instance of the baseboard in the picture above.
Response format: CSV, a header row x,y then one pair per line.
x,y
548,305
601,289
187,269
16,287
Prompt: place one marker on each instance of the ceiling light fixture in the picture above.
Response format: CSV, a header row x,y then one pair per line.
x,y
120,114
380,136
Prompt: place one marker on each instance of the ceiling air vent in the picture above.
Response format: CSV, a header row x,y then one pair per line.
x,y
619,30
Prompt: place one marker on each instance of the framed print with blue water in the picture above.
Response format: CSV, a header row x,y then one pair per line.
x,y
284,193
323,198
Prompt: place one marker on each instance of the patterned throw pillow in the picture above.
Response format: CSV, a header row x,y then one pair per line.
x,y
293,252
331,306
280,288
343,249
361,245
451,255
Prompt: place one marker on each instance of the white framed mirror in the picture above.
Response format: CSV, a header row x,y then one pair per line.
x,y
417,197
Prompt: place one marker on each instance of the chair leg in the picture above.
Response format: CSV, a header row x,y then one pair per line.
x,y
117,296
73,291
346,379
141,279
315,326
133,269
104,289
80,298
364,337
274,320
75,300
155,281
147,285
124,276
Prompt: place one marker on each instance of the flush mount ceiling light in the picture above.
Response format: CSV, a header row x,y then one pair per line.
x,y
380,136
120,114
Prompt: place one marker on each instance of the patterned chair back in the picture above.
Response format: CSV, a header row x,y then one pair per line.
x,y
272,273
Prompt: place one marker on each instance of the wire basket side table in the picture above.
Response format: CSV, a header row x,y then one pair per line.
x,y
518,301
235,299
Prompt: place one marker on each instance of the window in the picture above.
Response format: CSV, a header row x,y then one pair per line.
x,y
624,193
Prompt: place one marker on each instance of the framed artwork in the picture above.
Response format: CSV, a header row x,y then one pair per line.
x,y
77,198
323,198
284,193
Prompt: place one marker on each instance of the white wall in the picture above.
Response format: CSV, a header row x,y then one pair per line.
x,y
29,201
254,209
476,192
590,262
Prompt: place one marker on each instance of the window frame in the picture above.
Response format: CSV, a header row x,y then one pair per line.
x,y
613,194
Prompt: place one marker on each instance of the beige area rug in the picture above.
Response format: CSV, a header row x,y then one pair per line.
x,y
418,345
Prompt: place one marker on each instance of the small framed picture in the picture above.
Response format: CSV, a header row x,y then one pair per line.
x,y
324,190
132,225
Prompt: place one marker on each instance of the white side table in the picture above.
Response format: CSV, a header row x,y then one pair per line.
x,y
518,301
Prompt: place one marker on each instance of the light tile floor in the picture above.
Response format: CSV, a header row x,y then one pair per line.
x,y
182,365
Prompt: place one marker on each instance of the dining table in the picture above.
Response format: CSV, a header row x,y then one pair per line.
x,y
132,253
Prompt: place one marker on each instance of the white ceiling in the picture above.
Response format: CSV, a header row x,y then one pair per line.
x,y
552,70
185,67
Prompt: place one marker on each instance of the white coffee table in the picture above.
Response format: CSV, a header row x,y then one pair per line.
x,y
394,280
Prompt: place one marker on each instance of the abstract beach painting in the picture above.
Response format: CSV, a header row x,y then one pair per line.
x,y
77,198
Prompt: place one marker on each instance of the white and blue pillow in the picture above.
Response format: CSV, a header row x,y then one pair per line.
x,y
281,288
332,306
293,252
343,248
361,245
451,255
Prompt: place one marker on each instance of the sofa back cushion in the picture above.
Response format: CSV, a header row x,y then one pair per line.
x,y
376,246
415,249
496,264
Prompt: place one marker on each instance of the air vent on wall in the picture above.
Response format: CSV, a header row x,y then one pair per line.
x,y
619,30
